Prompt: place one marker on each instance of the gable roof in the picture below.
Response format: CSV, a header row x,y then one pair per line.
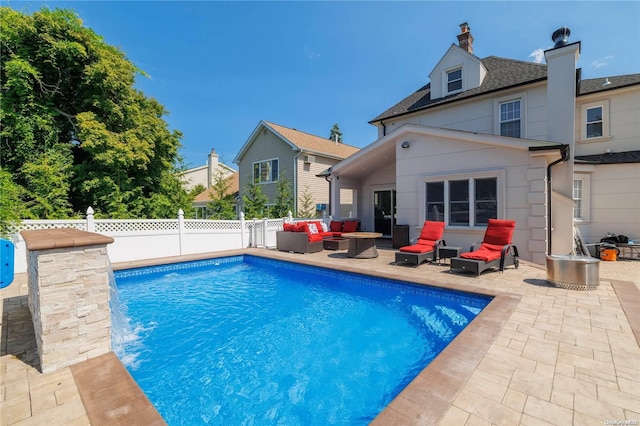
x,y
234,187
383,151
300,141
502,74
312,143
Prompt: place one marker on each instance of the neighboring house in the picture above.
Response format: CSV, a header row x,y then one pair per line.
x,y
202,200
206,176
272,150
479,139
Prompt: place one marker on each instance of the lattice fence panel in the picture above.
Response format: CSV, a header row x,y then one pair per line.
x,y
112,226
30,225
211,225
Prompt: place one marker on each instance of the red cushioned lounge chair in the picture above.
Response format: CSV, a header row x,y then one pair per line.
x,y
495,251
426,246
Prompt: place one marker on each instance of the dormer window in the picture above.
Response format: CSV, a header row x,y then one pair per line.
x,y
454,80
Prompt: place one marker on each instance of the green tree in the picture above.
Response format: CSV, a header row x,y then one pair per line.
x,y
197,190
254,202
12,207
74,131
306,205
336,134
222,205
284,197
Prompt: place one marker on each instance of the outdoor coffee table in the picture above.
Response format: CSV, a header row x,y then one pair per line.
x,y
362,245
335,244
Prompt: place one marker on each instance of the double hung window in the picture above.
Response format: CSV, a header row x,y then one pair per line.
x,y
454,80
595,121
581,191
265,171
510,124
577,198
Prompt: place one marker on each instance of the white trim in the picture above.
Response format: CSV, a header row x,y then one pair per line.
x,y
499,174
604,104
585,205
407,129
522,97
253,164
445,79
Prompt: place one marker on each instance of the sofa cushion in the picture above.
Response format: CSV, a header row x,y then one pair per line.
x,y
318,225
313,228
315,237
325,228
290,227
431,231
499,232
335,226
418,248
486,252
350,226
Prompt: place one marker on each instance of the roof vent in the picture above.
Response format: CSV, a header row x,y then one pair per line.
x,y
560,37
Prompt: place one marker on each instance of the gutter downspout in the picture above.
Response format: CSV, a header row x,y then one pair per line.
x,y
327,178
565,156
295,182
384,128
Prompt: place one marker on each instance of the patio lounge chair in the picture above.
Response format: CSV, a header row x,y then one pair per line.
x,y
495,251
426,246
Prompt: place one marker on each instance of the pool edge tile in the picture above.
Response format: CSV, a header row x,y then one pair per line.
x,y
436,387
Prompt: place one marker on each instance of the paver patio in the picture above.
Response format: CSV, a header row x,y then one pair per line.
x,y
544,355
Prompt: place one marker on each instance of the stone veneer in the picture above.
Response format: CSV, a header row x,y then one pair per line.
x,y
68,272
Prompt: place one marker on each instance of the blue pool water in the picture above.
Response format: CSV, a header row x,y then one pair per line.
x,y
248,340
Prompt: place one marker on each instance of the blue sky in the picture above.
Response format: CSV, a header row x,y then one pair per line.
x,y
221,67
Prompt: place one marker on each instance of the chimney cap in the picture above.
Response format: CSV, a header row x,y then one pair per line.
x,y
464,27
560,37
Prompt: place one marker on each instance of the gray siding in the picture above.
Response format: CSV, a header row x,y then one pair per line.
x,y
266,146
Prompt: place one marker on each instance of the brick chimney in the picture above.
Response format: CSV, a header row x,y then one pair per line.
x,y
465,39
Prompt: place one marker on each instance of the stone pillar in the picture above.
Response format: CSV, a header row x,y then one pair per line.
x,y
69,292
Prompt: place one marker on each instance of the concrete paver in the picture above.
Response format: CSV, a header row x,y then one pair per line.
x,y
559,357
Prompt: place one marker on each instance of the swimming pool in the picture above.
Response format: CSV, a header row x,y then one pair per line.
x,y
244,339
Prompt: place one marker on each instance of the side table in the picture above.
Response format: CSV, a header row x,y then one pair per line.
x,y
447,252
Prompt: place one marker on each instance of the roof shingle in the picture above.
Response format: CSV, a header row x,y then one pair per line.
x,y
610,158
501,74
312,143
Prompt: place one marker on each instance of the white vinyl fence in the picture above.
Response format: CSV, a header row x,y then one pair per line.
x,y
136,239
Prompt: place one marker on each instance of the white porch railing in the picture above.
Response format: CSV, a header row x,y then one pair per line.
x,y
137,239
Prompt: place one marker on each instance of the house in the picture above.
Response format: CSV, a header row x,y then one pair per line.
x,y
206,177
497,137
202,200
272,151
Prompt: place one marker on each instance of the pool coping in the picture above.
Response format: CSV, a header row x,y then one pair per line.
x,y
429,395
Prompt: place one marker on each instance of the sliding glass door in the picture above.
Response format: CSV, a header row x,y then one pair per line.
x,y
384,211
